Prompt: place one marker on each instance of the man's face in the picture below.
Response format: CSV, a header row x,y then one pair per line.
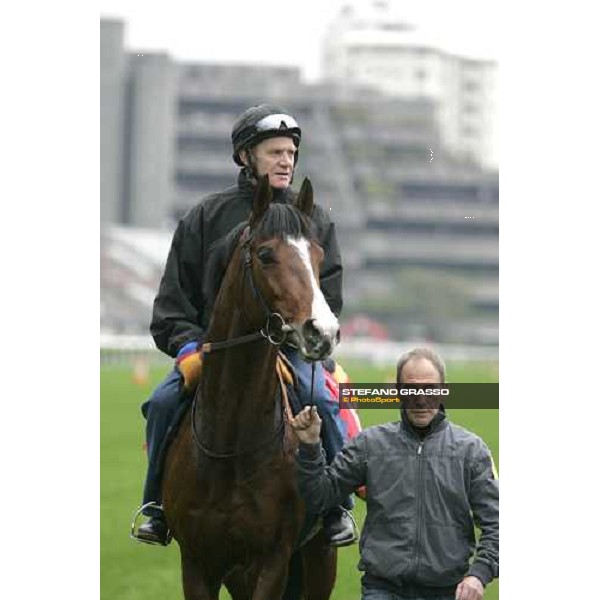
x,y
274,157
419,371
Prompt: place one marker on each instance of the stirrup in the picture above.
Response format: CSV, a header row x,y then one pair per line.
x,y
133,534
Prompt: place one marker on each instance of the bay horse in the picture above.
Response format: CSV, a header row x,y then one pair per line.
x,y
229,489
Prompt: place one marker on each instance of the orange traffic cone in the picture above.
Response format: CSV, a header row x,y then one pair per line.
x,y
141,372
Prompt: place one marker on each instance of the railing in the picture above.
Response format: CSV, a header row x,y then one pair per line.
x,y
140,351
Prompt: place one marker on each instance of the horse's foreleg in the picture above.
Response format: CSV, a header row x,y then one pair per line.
x,y
294,585
237,585
272,577
319,566
196,585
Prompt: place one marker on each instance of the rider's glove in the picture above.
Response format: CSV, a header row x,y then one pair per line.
x,y
189,362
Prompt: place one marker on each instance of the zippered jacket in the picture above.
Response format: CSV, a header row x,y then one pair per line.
x,y
424,497
198,258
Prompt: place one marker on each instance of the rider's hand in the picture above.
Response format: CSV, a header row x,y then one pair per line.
x,y
470,588
189,362
307,425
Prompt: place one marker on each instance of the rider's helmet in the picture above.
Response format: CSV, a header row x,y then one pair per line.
x,y
259,123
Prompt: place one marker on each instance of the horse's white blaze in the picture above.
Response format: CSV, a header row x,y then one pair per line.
x,y
324,319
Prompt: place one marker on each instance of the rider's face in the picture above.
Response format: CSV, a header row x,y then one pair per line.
x,y
275,157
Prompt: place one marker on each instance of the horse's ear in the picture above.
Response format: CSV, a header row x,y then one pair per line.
x,y
262,199
304,203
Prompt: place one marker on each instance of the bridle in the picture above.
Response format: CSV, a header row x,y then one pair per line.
x,y
265,332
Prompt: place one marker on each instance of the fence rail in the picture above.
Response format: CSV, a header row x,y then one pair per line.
x,y
129,349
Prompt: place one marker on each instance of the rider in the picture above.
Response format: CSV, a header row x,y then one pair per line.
x,y
265,141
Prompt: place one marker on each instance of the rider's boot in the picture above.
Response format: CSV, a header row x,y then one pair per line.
x,y
155,530
339,527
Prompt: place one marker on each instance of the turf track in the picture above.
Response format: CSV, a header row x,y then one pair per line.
x,y
133,571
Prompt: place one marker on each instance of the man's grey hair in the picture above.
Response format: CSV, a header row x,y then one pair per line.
x,y
433,357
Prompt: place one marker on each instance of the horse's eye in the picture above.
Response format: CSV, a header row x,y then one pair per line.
x,y
266,255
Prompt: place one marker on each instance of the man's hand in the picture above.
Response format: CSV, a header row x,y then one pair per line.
x,y
307,425
470,588
189,362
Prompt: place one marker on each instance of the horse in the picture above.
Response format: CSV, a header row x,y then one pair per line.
x,y
229,488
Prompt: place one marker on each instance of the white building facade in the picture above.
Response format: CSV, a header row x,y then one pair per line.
x,y
369,45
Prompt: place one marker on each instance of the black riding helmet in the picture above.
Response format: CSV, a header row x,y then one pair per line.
x,y
259,123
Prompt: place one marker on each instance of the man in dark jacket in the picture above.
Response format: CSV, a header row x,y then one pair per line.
x,y
265,141
428,483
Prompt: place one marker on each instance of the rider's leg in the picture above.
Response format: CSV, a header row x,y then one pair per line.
x,y
338,526
333,428
159,411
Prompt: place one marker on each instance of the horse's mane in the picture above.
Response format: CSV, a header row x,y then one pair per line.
x,y
284,220
279,220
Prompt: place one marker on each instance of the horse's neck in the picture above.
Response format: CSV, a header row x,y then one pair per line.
x,y
239,383
236,313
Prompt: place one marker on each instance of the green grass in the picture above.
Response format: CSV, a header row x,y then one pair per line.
x,y
133,571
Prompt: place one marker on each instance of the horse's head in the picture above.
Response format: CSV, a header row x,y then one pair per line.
x,y
285,259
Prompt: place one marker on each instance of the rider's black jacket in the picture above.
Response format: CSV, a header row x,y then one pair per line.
x,y
195,265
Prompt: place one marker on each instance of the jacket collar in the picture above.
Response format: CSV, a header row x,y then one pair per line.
x,y
247,189
437,423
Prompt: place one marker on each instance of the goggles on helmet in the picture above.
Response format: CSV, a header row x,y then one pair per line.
x,y
276,122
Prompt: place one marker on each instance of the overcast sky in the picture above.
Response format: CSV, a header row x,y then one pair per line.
x,y
287,33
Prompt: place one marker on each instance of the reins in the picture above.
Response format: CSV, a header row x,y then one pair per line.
x,y
222,455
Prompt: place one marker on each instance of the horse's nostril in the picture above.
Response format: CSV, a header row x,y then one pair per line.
x,y
309,330
317,343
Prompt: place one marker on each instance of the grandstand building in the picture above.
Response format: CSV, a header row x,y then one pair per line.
x,y
369,44
417,222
